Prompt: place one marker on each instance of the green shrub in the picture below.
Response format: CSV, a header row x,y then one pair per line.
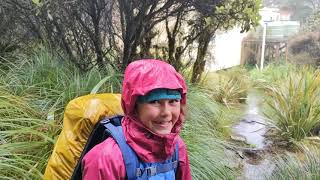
x,y
304,48
312,23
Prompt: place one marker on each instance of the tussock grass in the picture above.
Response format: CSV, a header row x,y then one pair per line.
x,y
304,166
271,74
33,93
26,139
51,81
201,134
228,87
294,104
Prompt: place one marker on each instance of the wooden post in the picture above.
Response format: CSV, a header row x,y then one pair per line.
x,y
277,53
242,57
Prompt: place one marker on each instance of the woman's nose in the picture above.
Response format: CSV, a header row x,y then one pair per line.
x,y
165,109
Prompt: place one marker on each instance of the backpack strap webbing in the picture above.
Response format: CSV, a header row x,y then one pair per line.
x,y
161,168
130,158
176,157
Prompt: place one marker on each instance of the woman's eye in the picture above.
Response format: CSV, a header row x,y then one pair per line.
x,y
174,100
154,102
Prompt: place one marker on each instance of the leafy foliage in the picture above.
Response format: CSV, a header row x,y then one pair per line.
x,y
109,34
304,48
226,15
244,13
312,23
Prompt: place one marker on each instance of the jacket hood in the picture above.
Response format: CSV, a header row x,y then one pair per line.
x,y
141,77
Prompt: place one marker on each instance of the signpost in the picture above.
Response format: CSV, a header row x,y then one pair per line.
x,y
264,34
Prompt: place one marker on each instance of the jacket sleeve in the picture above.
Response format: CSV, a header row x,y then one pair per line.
x,y
104,161
184,172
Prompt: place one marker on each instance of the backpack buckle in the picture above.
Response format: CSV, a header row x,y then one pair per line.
x,y
151,171
175,164
105,121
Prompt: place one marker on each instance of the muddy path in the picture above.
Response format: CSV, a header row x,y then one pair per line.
x,y
253,148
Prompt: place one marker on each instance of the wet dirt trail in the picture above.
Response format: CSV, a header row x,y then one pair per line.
x,y
250,131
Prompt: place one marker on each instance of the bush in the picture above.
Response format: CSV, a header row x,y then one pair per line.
x,y
52,80
304,48
312,23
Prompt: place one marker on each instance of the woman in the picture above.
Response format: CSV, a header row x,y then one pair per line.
x,y
153,100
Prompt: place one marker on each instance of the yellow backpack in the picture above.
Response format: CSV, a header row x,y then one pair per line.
x,y
80,117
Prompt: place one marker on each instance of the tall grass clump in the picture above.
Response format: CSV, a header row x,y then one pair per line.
x,y
201,135
271,74
294,104
303,166
26,138
34,90
228,87
52,80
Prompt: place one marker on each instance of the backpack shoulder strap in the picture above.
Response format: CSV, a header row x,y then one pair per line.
x,y
176,157
130,158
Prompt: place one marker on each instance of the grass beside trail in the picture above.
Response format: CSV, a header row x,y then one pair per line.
x,y
35,88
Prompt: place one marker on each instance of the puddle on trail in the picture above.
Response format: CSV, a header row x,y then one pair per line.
x,y
252,128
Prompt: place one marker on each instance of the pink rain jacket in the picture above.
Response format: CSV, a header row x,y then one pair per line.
x,y
105,160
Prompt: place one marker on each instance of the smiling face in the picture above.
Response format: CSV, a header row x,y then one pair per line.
x,y
159,115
